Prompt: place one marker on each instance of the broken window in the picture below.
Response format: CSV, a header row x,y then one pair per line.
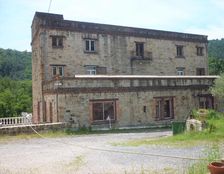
x,y
57,41
180,71
139,49
199,51
200,71
180,52
90,45
102,110
164,108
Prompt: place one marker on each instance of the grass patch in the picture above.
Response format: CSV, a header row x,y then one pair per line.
x,y
212,153
72,132
213,133
76,164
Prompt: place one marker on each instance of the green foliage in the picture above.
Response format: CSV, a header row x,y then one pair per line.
x,y
15,97
216,48
218,88
216,56
15,64
216,66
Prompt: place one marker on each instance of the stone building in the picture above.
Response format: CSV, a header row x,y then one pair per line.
x,y
131,76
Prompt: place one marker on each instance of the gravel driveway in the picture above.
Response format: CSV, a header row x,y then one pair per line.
x,y
73,154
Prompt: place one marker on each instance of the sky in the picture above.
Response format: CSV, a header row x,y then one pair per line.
x,y
204,17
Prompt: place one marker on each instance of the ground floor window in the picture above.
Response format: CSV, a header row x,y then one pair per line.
x,y
103,110
164,108
206,101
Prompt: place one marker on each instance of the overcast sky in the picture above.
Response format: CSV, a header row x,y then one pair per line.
x,y
192,16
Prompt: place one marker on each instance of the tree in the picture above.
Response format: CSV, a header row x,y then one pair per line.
x,y
216,66
218,88
15,97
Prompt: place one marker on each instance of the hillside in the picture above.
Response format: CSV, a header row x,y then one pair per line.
x,y
216,48
216,56
15,64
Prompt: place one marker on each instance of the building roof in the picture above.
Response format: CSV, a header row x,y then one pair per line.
x,y
56,21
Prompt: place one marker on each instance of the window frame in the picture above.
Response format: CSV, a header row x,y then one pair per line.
x,y
139,49
90,45
200,51
200,70
160,108
104,117
180,51
55,70
91,69
180,71
57,41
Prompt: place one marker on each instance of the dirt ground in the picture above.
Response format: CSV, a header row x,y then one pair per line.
x,y
92,154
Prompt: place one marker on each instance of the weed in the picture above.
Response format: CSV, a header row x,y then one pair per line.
x,y
211,154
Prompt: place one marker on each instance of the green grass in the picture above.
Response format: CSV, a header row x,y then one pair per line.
x,y
212,153
71,132
213,133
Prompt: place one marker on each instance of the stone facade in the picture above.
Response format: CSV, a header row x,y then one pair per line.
x,y
86,70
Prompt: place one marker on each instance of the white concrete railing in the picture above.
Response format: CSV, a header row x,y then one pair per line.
x,y
10,121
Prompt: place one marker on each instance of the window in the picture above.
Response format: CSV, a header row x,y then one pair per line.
x,y
91,70
180,52
57,41
200,71
54,70
57,70
199,51
164,108
61,71
206,101
180,71
139,49
102,110
90,46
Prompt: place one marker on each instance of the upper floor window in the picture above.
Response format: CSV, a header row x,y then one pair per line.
x,y
180,71
200,71
57,41
200,51
91,70
139,49
180,51
90,45
57,70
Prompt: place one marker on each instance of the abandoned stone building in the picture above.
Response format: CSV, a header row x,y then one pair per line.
x,y
129,76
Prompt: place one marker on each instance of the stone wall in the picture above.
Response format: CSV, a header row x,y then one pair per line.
x,y
26,129
115,50
116,53
134,97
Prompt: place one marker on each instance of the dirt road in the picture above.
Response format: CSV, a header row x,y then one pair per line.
x,y
82,154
